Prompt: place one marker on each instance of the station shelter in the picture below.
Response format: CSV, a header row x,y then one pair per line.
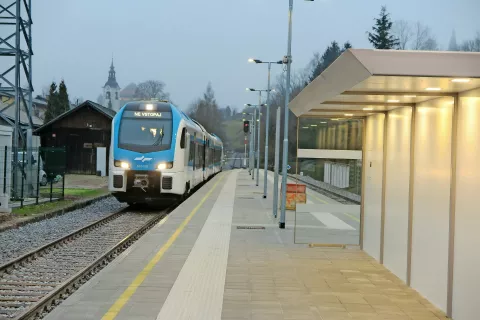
x,y
395,135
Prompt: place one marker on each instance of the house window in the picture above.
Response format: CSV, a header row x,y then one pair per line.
x,y
108,94
116,95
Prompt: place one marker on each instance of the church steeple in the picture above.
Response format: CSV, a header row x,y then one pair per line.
x,y
112,81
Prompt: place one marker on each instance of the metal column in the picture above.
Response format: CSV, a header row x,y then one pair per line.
x,y
16,43
267,123
285,129
277,156
253,141
258,135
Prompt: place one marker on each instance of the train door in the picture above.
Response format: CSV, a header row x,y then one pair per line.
x,y
204,149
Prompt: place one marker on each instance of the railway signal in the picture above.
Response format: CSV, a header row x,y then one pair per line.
x,y
246,126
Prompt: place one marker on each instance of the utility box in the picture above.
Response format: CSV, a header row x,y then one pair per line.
x,y
102,161
5,167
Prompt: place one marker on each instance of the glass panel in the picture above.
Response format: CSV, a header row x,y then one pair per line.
x,y
328,211
333,134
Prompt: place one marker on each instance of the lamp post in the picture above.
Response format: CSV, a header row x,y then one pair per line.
x,y
288,59
267,121
258,131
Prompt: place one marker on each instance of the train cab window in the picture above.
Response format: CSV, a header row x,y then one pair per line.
x,y
145,132
182,139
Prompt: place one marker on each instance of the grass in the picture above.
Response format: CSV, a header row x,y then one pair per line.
x,y
41,208
71,195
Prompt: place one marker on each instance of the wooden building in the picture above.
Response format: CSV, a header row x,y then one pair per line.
x,y
81,130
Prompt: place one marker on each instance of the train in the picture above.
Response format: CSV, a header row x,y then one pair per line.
x,y
159,154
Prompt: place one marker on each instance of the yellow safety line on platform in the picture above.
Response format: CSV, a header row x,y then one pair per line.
x,y
127,294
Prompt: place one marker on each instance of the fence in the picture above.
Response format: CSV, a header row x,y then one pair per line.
x,y
38,175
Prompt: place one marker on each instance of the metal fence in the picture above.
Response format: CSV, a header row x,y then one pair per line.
x,y
38,176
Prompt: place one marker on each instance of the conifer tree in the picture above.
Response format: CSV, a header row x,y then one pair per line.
x,y
381,37
63,101
52,103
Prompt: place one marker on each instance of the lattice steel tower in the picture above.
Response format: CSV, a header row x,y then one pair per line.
x,y
16,79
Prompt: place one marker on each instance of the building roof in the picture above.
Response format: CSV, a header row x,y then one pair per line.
x,y
380,80
112,81
109,113
129,91
9,113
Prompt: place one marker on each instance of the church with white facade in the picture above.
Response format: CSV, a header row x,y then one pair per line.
x,y
111,91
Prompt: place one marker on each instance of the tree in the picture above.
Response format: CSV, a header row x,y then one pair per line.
x,y
206,111
52,104
319,64
423,38
228,112
381,38
151,89
100,99
471,45
63,101
453,46
76,101
403,31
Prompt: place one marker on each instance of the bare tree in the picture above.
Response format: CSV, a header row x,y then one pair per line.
x,y
100,99
403,31
151,89
423,38
471,45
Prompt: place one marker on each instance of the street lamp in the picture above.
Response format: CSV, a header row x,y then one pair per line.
x,y
288,59
258,131
257,61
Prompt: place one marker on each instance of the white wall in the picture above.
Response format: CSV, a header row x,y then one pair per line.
x,y
373,184
431,199
397,191
466,282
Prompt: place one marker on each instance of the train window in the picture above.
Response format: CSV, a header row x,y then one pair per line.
x,y
182,139
145,134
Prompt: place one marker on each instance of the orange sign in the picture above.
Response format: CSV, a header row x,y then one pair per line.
x,y
296,193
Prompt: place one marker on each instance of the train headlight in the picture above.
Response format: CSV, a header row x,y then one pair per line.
x,y
121,164
165,165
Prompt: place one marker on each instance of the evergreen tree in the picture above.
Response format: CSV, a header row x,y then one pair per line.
x,y
207,112
382,38
452,46
228,112
332,52
52,103
63,101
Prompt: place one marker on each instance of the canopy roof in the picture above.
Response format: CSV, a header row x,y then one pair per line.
x,y
365,81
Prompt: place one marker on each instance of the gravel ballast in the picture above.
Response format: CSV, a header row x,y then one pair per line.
x,y
16,242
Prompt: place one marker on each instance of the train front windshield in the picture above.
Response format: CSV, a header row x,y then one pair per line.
x,y
145,131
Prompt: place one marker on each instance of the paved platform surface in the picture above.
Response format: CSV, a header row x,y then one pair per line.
x,y
197,264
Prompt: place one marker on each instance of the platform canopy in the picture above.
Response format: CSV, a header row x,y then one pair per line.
x,y
367,81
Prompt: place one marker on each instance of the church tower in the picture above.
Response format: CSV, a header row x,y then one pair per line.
x,y
111,91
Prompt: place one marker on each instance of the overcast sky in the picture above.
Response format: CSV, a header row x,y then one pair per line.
x,y
188,43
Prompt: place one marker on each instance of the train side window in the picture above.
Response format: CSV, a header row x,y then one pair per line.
x,y
182,139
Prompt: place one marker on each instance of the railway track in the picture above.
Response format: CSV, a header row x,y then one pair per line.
x,y
326,193
33,284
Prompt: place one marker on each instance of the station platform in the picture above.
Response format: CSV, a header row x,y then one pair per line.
x,y
208,260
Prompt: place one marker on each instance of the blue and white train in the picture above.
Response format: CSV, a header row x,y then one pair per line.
x,y
159,154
